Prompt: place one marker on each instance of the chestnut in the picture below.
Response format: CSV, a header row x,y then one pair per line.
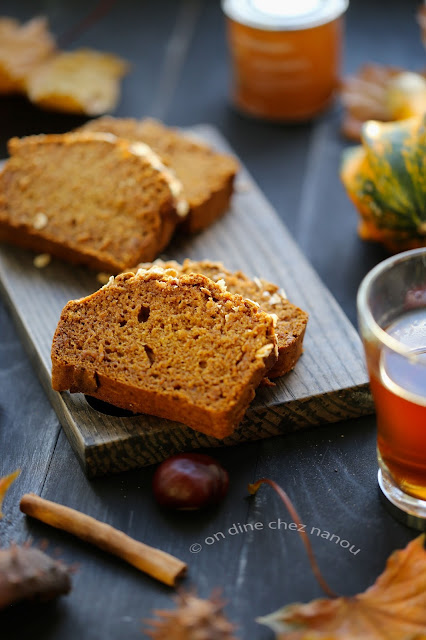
x,y
189,481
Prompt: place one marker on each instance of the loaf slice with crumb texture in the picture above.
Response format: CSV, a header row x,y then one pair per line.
x,y
175,346
291,322
207,176
92,199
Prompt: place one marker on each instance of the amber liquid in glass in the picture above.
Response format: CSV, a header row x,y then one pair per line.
x,y
398,385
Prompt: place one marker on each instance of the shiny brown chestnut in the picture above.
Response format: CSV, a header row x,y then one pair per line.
x,y
190,481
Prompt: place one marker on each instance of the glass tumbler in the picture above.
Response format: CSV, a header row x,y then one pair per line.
x,y
391,305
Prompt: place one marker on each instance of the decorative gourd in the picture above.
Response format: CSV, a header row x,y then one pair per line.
x,y
386,180
406,95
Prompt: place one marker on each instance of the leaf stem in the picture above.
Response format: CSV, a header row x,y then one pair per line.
x,y
291,509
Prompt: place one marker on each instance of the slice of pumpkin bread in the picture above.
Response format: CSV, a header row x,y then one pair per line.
x,y
92,199
291,323
175,346
207,176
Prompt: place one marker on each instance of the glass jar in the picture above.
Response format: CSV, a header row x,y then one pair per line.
x,y
285,55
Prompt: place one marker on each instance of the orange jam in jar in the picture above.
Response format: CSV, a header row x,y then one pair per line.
x,y
285,55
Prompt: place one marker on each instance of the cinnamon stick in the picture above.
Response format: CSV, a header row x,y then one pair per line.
x,y
156,563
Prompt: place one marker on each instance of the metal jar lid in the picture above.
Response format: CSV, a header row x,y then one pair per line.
x,y
284,15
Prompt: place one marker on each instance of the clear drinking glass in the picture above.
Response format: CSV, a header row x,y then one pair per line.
x,y
391,305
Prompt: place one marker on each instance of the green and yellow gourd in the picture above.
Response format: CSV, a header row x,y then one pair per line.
x,y
385,177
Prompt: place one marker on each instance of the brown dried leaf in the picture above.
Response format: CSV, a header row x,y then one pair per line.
x,y
5,483
394,607
83,81
22,48
363,96
379,92
193,619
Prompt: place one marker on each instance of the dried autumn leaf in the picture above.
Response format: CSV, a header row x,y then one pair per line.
x,y
22,48
363,96
83,81
394,607
379,92
5,483
193,619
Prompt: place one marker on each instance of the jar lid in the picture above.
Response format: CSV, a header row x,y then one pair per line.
x,y
283,15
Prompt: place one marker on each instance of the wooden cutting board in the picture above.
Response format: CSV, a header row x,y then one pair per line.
x,y
328,384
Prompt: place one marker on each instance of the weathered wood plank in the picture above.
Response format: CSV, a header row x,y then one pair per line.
x,y
29,429
328,384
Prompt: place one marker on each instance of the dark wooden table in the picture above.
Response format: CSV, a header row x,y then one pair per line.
x,y
180,74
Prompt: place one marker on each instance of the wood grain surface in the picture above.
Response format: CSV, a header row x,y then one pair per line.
x,y
180,74
328,384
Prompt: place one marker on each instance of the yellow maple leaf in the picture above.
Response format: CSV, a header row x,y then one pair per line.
x,y
5,483
393,608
